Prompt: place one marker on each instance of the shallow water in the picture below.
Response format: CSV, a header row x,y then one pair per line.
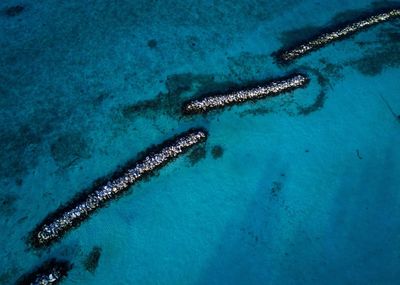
x,y
304,192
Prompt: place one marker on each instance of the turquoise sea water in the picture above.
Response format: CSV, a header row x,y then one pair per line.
x,y
305,190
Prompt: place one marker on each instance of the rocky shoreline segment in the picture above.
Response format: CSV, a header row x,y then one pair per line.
x,y
75,212
50,273
272,88
286,56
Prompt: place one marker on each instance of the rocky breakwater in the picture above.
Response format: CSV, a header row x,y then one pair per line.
x,y
75,212
272,88
50,273
339,32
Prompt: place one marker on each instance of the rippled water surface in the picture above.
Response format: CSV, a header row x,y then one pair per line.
x,y
301,188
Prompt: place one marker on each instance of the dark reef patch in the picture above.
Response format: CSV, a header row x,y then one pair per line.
x,y
68,148
324,82
92,259
217,151
326,77
180,87
196,154
103,96
379,54
152,43
247,64
315,106
276,188
19,181
16,149
7,204
14,10
22,142
70,252
330,72
292,37
257,111
368,65
193,43
7,276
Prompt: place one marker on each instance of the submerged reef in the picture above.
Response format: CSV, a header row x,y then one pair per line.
x,y
217,151
68,148
197,154
379,53
152,43
7,204
334,34
75,212
92,260
14,10
51,272
180,88
276,188
272,88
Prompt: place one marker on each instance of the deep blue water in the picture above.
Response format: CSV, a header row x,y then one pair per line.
x,y
306,190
